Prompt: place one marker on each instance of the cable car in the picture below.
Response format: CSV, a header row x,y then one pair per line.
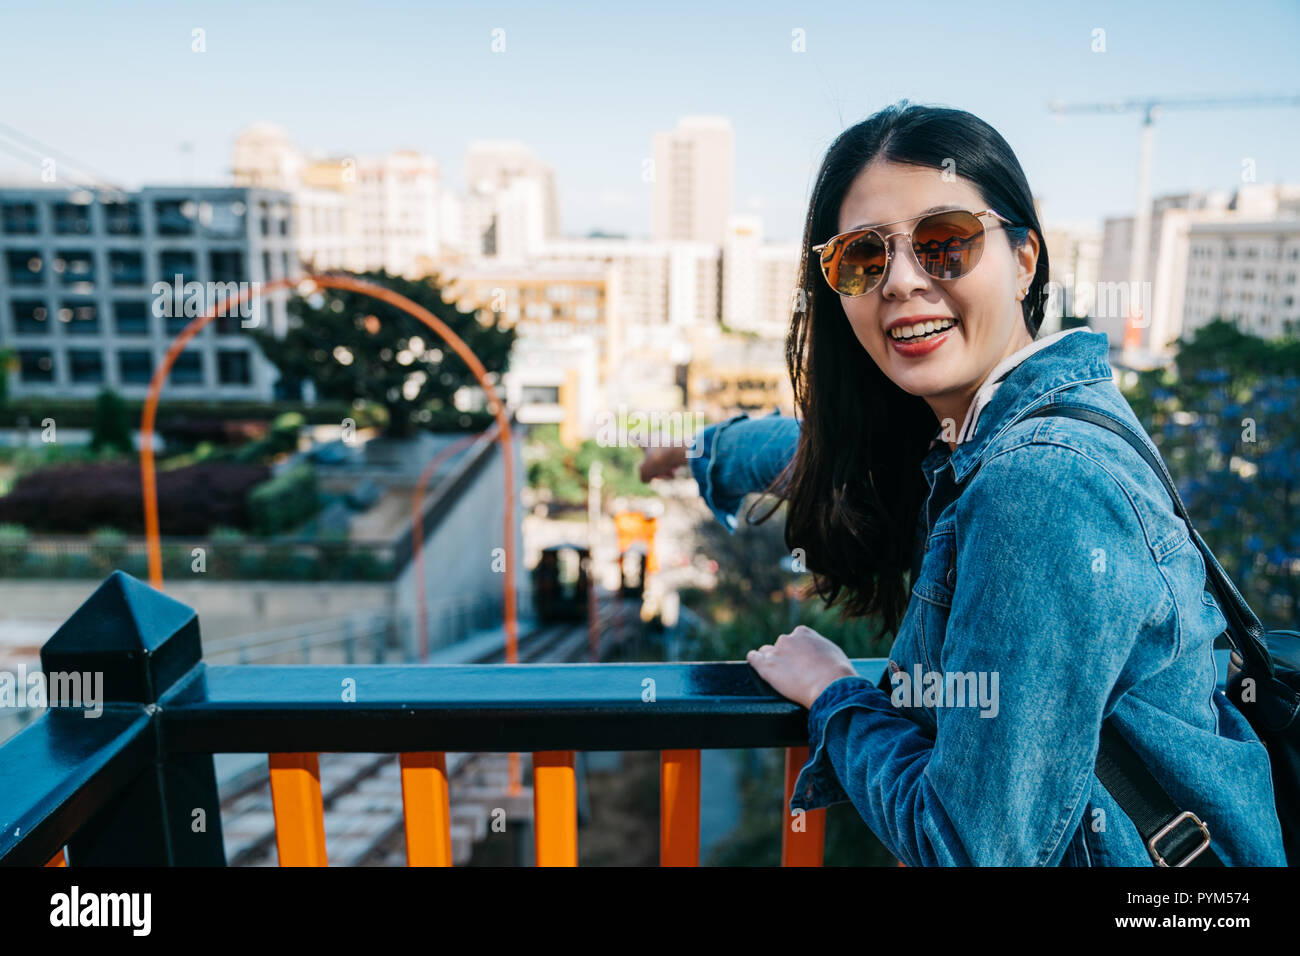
x,y
560,583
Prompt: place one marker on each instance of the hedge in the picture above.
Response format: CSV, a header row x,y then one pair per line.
x,y
79,498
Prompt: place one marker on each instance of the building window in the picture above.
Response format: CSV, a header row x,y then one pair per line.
x,y
77,267
24,266
233,367
135,366
36,365
187,369
222,218
175,217
264,216
31,317
266,267
125,268
20,219
71,219
174,262
131,317
540,395
226,266
85,365
122,218
81,316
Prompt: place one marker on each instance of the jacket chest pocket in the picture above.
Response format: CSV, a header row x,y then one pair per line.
x,y
933,590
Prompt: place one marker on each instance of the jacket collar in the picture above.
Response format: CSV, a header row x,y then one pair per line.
x,y
1070,360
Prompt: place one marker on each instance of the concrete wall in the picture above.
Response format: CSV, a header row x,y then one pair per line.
x,y
458,557
225,608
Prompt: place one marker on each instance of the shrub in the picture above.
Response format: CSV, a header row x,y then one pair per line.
x,y
285,501
112,426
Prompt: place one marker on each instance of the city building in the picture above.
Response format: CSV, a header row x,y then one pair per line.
x,y
760,280
560,361
1213,254
358,213
95,286
694,171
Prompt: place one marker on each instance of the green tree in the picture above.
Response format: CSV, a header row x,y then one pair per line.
x,y
353,346
562,472
1224,417
112,426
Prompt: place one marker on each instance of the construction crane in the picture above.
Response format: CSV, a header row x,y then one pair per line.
x,y
1150,108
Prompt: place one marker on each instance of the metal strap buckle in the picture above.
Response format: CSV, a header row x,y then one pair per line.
x,y
1164,830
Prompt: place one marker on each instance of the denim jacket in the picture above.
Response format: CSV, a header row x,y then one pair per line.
x,y
1058,589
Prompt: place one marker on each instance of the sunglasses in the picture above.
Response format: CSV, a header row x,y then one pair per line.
x,y
947,245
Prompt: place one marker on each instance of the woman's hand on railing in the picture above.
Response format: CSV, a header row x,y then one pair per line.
x,y
801,665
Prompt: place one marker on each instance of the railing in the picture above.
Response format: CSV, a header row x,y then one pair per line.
x,y
136,786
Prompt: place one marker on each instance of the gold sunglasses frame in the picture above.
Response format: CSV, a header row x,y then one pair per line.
x,y
846,237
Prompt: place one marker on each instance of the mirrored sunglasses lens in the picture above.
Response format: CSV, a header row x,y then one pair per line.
x,y
856,266
948,244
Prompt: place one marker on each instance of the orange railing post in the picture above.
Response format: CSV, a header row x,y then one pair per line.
x,y
803,837
298,808
426,807
555,808
679,808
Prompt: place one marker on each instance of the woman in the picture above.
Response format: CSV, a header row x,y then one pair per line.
x,y
1049,574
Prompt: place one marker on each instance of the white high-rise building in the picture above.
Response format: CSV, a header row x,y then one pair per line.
x,y
694,169
358,213
1237,258
1075,260
398,211
493,166
759,279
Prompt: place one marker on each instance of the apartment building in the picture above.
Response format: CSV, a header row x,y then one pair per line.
x,y
80,297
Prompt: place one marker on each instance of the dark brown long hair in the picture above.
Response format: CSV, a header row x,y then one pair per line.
x,y
855,486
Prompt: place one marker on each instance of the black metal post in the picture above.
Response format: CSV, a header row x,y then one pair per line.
x,y
138,644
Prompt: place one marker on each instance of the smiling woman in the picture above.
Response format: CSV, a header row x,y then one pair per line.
x,y
1038,557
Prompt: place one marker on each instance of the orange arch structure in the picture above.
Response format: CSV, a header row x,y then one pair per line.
x,y
309,284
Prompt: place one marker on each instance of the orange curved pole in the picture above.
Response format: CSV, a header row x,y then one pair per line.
x,y
350,284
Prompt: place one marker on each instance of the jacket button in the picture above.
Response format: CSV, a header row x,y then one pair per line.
x,y
952,577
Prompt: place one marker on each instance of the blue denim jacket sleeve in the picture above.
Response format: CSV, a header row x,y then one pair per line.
x,y
1037,604
741,455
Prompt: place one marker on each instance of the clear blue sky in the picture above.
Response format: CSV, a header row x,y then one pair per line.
x,y
586,84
